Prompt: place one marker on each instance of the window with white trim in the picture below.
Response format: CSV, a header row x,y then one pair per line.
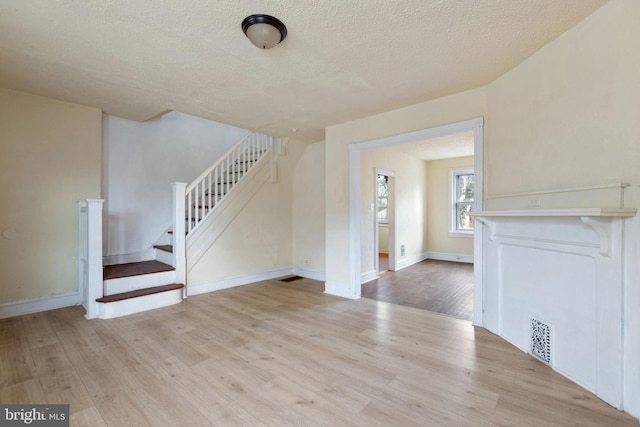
x,y
461,190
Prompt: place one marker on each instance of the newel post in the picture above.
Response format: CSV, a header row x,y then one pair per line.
x,y
90,286
179,238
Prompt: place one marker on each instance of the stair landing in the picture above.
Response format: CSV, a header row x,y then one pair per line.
x,y
134,269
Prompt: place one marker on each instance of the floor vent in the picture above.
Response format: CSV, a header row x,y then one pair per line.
x,y
540,334
291,279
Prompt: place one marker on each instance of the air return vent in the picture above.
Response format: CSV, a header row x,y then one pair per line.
x,y
540,334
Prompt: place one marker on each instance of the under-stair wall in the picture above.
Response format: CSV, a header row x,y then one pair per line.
x,y
257,243
140,162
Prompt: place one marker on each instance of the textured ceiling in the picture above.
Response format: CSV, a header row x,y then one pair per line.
x,y
342,60
444,147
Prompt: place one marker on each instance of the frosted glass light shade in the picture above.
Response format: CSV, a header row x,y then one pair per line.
x,y
263,36
264,31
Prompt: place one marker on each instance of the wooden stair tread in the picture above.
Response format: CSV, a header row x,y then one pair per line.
x,y
134,269
140,292
166,248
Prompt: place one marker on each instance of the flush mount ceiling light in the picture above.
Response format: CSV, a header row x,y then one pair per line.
x,y
264,31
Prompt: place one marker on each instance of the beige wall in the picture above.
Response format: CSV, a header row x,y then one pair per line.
x,y
451,109
259,239
410,193
49,158
308,210
568,116
438,239
383,238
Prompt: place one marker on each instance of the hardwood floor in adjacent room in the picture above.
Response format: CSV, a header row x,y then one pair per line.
x,y
284,354
442,287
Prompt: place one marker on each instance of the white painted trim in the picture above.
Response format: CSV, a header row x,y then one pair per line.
x,y
179,254
146,255
409,261
631,319
90,263
621,186
353,288
139,304
440,256
343,291
604,196
309,274
586,212
368,276
18,308
230,282
478,232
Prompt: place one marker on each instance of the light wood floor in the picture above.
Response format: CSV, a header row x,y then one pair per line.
x,y
282,354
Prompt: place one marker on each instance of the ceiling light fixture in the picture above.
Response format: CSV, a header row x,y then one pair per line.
x,y
264,31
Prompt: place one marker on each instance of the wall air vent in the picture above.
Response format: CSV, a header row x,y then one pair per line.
x,y
540,334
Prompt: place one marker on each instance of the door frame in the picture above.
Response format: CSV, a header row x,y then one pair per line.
x,y
476,126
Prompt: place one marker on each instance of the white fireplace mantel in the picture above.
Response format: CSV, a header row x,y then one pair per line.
x,y
596,218
565,267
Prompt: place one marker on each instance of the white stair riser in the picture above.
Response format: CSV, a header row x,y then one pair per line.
x,y
132,283
139,304
164,257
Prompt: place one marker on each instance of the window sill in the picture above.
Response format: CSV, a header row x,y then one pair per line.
x,y
463,234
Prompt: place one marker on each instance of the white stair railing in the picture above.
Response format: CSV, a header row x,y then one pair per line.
x,y
214,184
196,201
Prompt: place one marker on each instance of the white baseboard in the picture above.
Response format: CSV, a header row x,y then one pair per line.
x,y
145,255
309,274
368,276
36,305
338,290
450,257
230,282
409,261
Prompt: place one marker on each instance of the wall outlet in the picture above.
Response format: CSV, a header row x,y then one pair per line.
x,y
533,202
401,250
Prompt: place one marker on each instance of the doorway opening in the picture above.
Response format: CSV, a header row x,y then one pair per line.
x,y
384,218
360,240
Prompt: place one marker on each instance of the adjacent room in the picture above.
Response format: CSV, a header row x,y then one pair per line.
x,y
423,198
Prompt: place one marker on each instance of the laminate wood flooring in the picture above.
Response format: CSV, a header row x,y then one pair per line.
x,y
439,286
284,354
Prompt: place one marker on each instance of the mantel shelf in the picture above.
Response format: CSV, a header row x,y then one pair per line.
x,y
577,212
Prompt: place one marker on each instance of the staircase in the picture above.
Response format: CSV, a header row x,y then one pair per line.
x,y
140,286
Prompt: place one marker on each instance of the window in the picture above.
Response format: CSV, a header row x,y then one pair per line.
x,y
461,183
382,193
